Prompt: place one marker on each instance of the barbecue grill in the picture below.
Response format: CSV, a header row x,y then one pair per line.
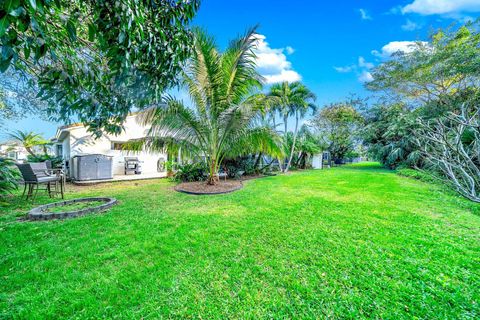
x,y
132,164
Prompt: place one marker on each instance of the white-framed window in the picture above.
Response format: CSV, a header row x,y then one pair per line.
x,y
12,155
59,150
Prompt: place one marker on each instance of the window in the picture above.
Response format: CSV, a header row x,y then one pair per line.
x,y
12,155
59,150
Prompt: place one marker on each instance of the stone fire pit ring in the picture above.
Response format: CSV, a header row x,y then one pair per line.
x,y
41,213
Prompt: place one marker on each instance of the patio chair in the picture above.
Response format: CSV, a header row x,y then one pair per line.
x,y
37,174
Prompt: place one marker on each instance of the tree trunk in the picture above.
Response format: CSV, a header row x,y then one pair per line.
x,y
293,144
257,162
29,150
213,177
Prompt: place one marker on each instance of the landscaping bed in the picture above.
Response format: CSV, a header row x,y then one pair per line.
x,y
70,208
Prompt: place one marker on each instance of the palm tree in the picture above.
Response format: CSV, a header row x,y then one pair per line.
x,y
292,99
223,119
30,140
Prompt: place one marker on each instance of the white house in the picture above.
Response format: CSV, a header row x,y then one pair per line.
x,y
73,140
13,150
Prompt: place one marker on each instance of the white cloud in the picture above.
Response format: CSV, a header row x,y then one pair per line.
x,y
365,76
345,69
284,75
395,46
364,14
362,63
429,7
410,26
273,64
361,69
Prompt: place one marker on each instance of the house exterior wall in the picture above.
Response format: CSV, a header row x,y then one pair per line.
x,y
13,151
317,161
79,142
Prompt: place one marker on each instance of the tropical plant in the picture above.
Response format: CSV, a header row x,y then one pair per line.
x,y
308,145
96,59
189,172
240,165
221,121
292,99
389,135
9,176
29,141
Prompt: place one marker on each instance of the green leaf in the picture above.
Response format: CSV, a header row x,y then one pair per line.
x,y
26,52
91,33
17,12
4,64
72,32
3,25
33,4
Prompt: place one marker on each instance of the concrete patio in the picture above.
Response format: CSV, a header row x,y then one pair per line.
x,y
128,177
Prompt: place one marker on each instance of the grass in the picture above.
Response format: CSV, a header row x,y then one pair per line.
x,y
350,242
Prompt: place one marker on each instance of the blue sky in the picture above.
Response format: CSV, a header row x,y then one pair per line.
x,y
329,45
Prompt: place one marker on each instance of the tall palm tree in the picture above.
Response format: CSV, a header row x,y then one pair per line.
x,y
292,99
30,140
222,119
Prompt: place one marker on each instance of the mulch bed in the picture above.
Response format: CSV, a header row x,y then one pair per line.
x,y
201,187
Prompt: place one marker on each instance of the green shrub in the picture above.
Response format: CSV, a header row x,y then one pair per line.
x,y
190,172
243,165
9,176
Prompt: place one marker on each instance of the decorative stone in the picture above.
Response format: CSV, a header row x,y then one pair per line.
x,y
41,213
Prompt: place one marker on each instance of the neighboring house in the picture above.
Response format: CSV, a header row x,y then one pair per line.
x,y
13,150
74,139
321,160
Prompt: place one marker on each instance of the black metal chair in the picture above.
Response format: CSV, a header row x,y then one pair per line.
x,y
37,174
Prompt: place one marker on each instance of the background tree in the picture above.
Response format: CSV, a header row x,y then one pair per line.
x,y
388,135
222,120
338,125
96,60
30,141
292,99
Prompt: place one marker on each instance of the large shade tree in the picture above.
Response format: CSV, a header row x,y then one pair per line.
x,y
292,99
338,124
223,119
96,59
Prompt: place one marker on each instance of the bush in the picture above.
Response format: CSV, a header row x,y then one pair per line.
x,y
9,176
245,165
190,172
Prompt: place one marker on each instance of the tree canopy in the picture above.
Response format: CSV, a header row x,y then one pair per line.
x,y
338,124
96,59
430,119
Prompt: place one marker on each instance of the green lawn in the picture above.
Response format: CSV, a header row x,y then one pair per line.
x,y
348,242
